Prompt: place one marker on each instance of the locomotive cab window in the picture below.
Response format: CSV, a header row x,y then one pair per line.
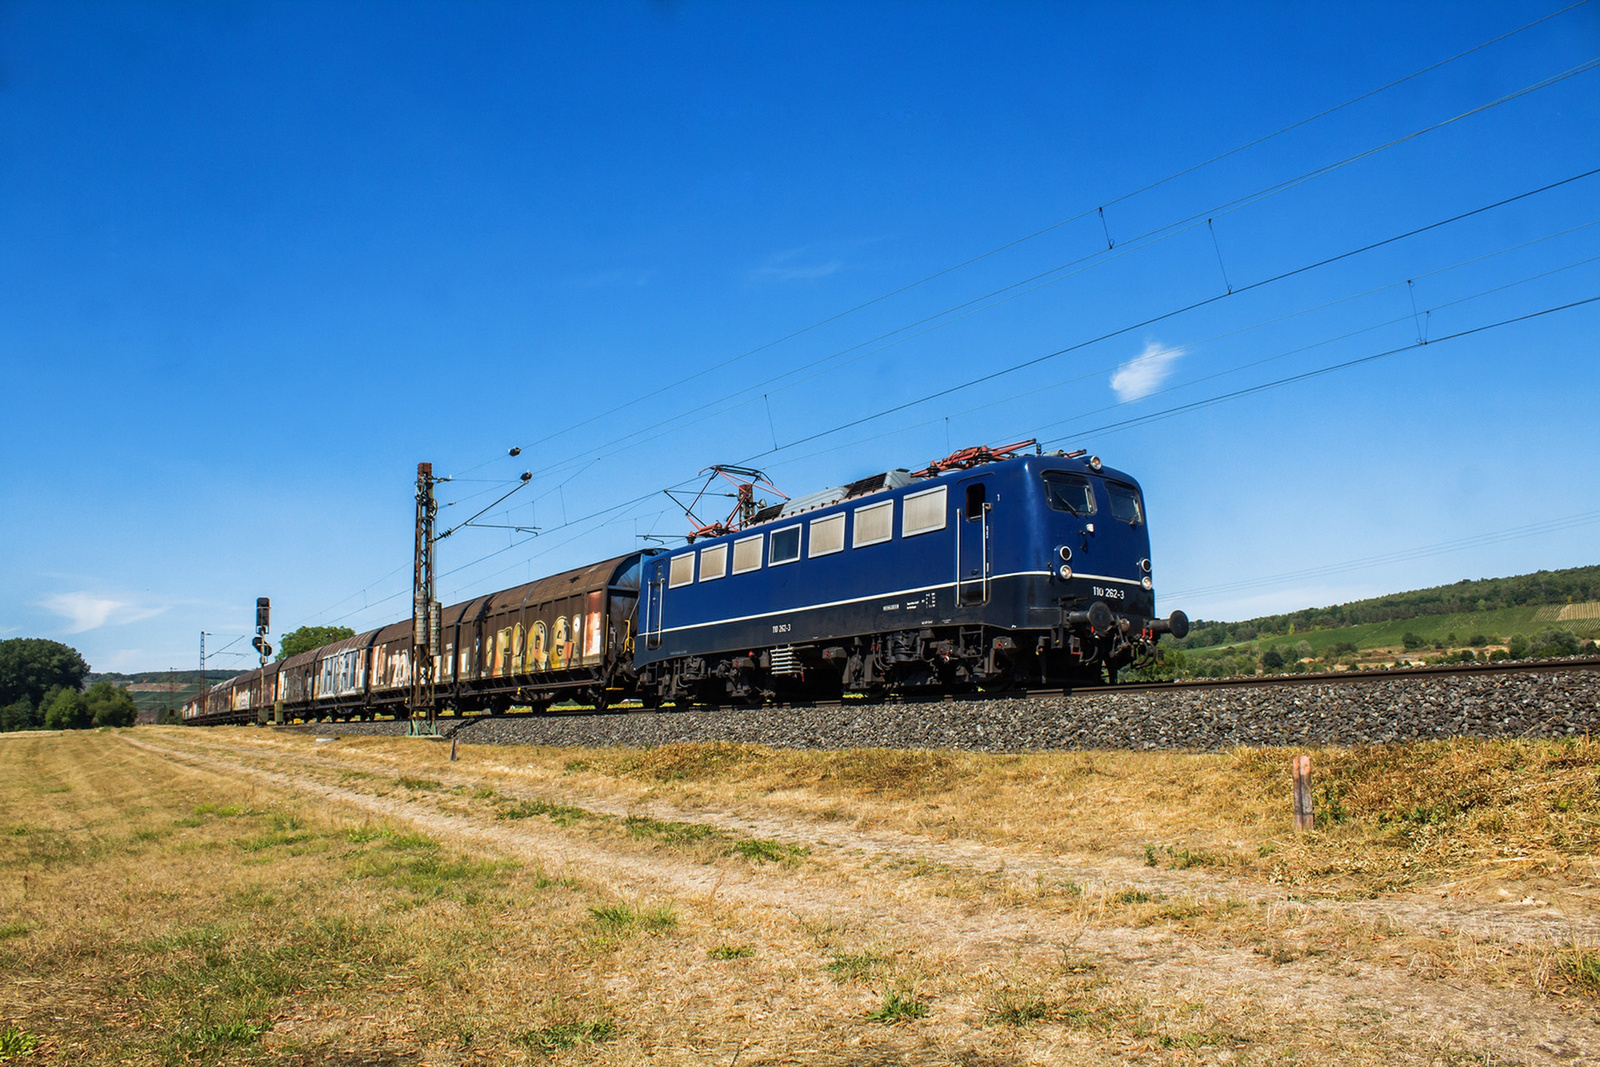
x,y
977,497
1125,503
874,524
1071,493
785,546
827,535
682,570
713,562
747,555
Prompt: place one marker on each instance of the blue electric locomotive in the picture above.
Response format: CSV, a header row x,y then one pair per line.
x,y
1027,570
987,570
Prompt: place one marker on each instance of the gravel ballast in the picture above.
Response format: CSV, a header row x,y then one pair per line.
x,y
1369,711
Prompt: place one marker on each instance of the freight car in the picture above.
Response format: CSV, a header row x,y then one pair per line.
x,y
987,570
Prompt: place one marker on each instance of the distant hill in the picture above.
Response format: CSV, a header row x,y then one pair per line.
x,y
1544,613
154,690
1571,586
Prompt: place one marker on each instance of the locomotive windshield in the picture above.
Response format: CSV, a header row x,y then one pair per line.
x,y
1069,492
1125,503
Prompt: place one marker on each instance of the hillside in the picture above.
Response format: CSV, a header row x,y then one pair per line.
x,y
153,691
1544,613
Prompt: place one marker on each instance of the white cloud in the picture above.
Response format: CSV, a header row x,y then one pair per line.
x,y
787,267
1144,373
85,611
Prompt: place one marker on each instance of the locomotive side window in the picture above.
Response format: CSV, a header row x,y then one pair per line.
x,y
827,535
874,524
977,496
747,555
785,546
1125,503
924,512
713,562
682,572
1069,492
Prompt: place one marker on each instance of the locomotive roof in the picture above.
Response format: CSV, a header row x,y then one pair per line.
x,y
900,478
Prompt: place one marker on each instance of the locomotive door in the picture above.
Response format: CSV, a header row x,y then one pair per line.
x,y
654,587
972,541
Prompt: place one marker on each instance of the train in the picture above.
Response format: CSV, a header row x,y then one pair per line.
x,y
993,569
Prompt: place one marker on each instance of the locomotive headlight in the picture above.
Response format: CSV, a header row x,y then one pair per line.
x,y
1065,572
1065,552
1094,463
1147,583
1144,565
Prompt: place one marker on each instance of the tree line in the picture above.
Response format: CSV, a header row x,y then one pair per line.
x,y
1573,585
41,688
1285,658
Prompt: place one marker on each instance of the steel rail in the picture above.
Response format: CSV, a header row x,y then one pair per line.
x,y
1503,667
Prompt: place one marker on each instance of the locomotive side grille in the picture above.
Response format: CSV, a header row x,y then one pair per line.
x,y
784,660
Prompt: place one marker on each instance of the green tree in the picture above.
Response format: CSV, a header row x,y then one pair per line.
x,y
31,665
1272,659
110,705
19,715
308,637
1412,641
1517,646
67,711
1554,643
1303,650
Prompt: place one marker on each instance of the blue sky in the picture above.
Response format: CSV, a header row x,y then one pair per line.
x,y
257,260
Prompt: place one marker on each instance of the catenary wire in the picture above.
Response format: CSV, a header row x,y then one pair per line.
x,y
1184,409
1036,281
1282,276
1099,208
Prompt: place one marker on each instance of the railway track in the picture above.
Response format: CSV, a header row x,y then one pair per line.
x,y
1548,699
1584,663
1587,663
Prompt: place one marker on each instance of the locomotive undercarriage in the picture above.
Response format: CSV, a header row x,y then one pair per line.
x,y
930,660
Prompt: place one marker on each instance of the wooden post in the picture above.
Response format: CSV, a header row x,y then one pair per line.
x,y
455,748
1304,817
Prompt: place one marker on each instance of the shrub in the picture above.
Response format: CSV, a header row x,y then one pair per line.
x,y
110,705
1412,641
67,711
21,715
1554,643
1517,647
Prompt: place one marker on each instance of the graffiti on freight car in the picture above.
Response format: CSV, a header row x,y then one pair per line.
x,y
594,628
559,644
537,647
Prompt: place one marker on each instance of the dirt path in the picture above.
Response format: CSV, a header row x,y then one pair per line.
x,y
861,878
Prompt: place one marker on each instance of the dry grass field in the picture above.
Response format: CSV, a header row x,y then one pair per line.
x,y
172,896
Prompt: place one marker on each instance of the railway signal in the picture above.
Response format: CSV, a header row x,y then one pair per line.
x,y
259,643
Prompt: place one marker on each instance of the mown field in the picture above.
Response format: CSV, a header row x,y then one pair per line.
x,y
240,895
